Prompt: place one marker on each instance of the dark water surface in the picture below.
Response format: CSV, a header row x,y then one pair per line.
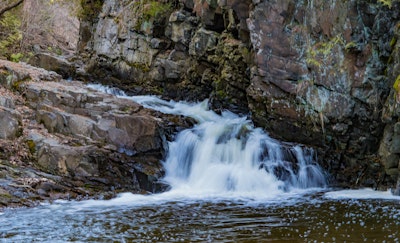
x,y
299,218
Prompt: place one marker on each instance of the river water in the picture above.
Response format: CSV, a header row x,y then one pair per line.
x,y
312,216
230,182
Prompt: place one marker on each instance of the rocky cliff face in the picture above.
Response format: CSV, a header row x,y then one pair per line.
x,y
389,150
180,51
314,72
320,79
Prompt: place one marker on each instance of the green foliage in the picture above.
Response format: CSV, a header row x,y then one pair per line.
x,y
10,34
396,84
150,10
16,57
387,3
32,146
90,9
55,50
153,9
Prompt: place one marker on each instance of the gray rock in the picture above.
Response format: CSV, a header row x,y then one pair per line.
x,y
203,41
53,63
65,160
395,144
396,190
7,102
392,161
9,123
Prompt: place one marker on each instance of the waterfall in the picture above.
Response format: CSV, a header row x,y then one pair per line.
x,y
227,154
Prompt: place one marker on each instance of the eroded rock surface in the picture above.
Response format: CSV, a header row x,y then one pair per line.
x,y
61,139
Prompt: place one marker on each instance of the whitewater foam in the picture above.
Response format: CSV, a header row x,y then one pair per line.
x,y
225,155
366,193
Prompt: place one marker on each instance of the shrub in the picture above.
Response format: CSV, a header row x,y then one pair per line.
x,y
10,34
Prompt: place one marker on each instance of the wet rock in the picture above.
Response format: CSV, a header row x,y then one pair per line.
x,y
116,121
396,191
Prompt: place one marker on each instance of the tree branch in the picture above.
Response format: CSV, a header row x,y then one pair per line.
x,y
9,7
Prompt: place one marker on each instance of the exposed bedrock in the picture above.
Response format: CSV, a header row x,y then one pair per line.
x,y
313,72
61,139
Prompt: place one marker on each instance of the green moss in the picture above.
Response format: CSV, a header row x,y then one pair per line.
x,y
155,9
221,94
140,66
5,195
16,85
10,34
322,50
159,90
311,61
90,9
32,146
16,57
396,84
150,10
393,42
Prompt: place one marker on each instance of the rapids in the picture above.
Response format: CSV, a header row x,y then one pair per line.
x,y
225,155
230,182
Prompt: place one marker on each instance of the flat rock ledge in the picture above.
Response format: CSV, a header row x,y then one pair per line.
x,y
62,140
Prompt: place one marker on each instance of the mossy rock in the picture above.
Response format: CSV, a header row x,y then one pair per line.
x,y
90,9
32,146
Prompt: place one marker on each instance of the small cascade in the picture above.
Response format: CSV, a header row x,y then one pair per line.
x,y
108,90
227,154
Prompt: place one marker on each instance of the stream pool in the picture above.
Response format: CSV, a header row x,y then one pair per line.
x,y
303,216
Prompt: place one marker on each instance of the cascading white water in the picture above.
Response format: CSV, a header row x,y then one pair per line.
x,y
225,154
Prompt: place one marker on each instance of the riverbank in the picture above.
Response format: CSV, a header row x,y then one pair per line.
x,y
60,139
